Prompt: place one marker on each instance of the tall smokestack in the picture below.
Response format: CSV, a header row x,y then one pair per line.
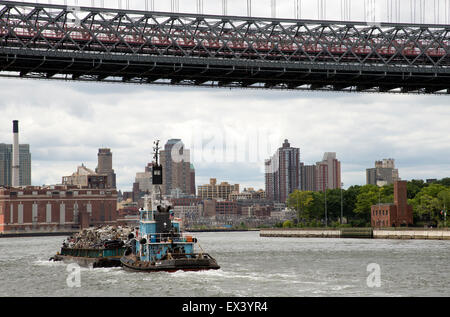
x,y
15,158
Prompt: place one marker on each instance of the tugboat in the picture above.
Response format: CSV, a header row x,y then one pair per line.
x,y
159,244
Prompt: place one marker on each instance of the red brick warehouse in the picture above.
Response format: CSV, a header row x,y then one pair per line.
x,y
393,215
55,208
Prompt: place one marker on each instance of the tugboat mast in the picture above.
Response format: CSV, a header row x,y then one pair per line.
x,y
157,173
156,149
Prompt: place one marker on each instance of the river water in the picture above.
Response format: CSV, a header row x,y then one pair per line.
x,y
250,266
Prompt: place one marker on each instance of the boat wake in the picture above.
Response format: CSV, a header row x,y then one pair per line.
x,y
48,263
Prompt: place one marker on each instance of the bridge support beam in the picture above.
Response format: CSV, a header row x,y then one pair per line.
x,y
387,88
317,86
364,87
338,87
37,40
432,90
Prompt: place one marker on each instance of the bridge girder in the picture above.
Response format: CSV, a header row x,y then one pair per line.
x,y
186,49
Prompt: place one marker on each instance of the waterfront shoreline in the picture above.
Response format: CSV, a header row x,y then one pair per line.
x,y
364,233
220,230
36,234
68,233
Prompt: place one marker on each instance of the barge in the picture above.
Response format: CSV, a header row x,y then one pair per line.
x,y
95,247
106,256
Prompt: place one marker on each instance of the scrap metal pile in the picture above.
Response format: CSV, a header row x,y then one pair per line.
x,y
99,237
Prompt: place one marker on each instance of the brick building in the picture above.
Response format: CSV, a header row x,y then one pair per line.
x,y
128,214
104,166
393,215
212,208
185,201
308,177
55,208
214,190
86,177
258,211
248,193
328,172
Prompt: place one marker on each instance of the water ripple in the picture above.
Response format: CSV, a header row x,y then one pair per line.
x,y
250,266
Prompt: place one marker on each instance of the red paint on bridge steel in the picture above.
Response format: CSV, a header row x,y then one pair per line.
x,y
261,46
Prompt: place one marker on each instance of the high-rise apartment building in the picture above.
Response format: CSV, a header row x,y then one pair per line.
x,y
215,191
328,172
105,166
282,173
192,172
144,179
177,169
6,162
384,173
15,161
308,177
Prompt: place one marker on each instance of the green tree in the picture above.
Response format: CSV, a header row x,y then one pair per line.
x,y
429,202
444,197
445,181
300,201
414,187
288,224
350,195
371,195
333,204
317,207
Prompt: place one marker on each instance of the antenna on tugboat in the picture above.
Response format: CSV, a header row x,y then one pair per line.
x,y
156,149
157,171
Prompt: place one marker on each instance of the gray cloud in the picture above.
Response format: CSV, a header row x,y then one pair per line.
x,y
66,123
360,10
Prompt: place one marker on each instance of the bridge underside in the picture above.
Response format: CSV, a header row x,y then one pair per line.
x,y
108,45
214,73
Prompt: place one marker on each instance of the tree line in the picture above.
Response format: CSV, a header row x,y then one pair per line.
x,y
430,203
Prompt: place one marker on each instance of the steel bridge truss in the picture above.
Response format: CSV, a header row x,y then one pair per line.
x,y
96,44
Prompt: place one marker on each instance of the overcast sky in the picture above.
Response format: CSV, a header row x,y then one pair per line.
x,y
66,122
435,11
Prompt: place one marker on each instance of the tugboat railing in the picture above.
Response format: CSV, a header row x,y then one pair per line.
x,y
168,237
195,255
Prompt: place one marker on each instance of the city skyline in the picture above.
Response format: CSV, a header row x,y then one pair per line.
x,y
356,135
